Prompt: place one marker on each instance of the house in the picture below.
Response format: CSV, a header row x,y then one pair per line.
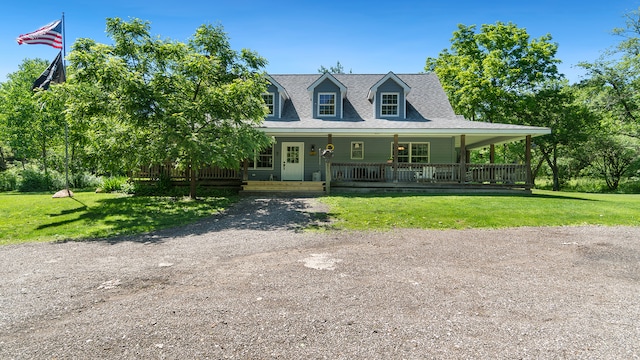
x,y
384,131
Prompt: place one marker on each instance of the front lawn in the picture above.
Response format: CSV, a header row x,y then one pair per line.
x,y
31,217
543,208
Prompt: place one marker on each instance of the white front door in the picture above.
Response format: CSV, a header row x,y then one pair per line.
x,y
292,161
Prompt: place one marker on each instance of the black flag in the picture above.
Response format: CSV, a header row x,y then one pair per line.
x,y
53,74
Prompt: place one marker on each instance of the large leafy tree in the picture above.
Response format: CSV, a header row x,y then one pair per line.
x,y
147,100
614,79
500,74
486,72
31,124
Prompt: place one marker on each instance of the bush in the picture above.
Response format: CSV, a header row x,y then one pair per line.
x,y
86,181
9,179
113,184
35,181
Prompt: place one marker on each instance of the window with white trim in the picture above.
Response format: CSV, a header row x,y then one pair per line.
x,y
326,104
389,104
268,100
413,152
357,150
263,160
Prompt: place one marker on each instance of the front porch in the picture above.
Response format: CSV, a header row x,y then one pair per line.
x,y
428,177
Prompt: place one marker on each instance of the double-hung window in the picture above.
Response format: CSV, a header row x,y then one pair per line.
x,y
263,160
326,104
389,104
414,152
357,150
268,100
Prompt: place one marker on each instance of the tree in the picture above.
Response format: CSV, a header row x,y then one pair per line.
x,y
30,124
192,104
486,73
613,156
499,74
614,79
337,69
557,106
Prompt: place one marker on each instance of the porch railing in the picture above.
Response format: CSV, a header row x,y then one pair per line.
x,y
208,173
509,174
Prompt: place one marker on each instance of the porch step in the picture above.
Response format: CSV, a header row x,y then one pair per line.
x,y
283,187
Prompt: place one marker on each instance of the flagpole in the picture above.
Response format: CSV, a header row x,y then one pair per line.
x,y
66,125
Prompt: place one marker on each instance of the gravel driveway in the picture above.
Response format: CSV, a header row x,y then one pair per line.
x,y
249,285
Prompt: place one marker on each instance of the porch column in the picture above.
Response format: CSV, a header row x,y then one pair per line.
x,y
492,154
527,157
395,158
492,160
463,158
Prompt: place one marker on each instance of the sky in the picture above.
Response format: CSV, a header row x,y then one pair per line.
x,y
297,37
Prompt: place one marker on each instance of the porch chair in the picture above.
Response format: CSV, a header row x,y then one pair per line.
x,y
427,173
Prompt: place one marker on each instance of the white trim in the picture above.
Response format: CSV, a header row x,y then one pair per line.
x,y
255,160
397,104
409,155
390,75
273,105
335,100
351,150
323,77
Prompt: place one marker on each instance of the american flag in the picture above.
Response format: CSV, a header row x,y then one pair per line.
x,y
50,34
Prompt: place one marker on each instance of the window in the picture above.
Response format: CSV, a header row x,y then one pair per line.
x,y
389,104
263,159
412,152
357,150
419,152
268,100
326,104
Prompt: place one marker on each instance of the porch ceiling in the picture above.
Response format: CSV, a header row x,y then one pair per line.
x,y
475,138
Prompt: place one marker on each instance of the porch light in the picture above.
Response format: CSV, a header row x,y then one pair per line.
x,y
400,148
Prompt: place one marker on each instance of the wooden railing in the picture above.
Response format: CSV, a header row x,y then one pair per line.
x,y
155,172
509,174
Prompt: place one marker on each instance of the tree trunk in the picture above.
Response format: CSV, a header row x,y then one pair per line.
x,y
192,182
556,175
3,163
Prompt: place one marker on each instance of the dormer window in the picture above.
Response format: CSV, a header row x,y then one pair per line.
x,y
327,104
389,104
268,100
389,97
327,95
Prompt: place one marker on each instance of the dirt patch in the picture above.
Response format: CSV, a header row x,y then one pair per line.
x,y
250,284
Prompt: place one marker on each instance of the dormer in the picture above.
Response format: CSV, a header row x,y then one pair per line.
x,y
389,97
274,98
327,95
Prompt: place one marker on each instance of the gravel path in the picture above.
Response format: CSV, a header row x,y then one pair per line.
x,y
249,285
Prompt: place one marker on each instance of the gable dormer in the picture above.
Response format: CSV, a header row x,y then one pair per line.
x,y
327,95
389,97
274,98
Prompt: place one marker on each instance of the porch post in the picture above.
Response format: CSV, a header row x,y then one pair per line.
x,y
463,158
492,154
492,160
527,157
395,158
327,168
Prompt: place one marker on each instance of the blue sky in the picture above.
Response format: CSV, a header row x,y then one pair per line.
x,y
300,36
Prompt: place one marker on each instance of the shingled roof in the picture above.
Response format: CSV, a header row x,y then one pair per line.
x,y
428,109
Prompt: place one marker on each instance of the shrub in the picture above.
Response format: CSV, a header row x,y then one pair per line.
x,y
113,183
34,181
9,180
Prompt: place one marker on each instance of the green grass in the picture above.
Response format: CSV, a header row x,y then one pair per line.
x,y
28,218
542,208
